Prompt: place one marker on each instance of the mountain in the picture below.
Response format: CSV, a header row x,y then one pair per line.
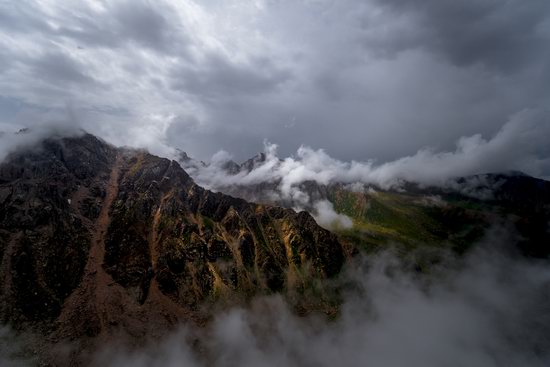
x,y
453,217
98,241
101,244
409,216
228,166
251,163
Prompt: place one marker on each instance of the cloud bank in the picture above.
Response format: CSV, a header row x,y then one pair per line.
x,y
11,142
361,79
520,145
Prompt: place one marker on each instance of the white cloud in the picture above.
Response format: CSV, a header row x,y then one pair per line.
x,y
325,216
516,146
11,141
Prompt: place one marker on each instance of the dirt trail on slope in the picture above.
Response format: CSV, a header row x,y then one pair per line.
x,y
102,310
97,251
87,304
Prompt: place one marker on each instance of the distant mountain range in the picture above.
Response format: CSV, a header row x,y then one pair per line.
x,y
454,215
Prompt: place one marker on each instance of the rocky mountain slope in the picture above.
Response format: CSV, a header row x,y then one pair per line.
x,y
97,241
102,244
408,216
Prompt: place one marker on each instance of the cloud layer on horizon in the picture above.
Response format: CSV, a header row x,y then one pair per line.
x,y
360,79
520,145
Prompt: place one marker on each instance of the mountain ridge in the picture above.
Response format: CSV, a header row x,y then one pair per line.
x,y
453,214
101,244
97,240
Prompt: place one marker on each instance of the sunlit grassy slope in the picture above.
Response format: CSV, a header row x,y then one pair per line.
x,y
408,220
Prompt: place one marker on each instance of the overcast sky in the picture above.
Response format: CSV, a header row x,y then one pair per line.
x,y
361,79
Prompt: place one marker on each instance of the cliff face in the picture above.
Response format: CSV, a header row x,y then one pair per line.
x,y
95,239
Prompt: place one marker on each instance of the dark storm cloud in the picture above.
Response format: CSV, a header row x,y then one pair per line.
x,y
384,80
504,35
21,17
217,77
141,22
58,68
361,79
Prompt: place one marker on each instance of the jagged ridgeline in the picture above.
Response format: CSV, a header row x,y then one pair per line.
x,y
95,238
407,217
101,244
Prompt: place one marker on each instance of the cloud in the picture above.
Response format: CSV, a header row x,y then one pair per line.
x,y
132,16
362,79
486,310
325,216
98,24
10,350
519,145
501,36
57,67
219,78
11,142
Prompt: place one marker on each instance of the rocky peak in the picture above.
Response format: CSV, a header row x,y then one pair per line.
x,y
253,162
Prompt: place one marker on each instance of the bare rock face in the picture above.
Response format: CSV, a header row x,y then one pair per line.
x,y
96,240
191,243
48,200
